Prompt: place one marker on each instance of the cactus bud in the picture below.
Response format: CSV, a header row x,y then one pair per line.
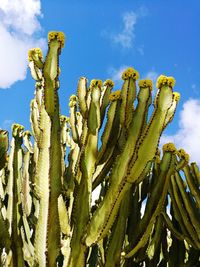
x,y
57,35
115,95
169,147
95,83
130,73
183,155
164,80
146,84
176,96
109,83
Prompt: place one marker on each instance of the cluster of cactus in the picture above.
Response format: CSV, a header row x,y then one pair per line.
x,y
147,210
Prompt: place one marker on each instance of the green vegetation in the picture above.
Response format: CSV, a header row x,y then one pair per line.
x,y
47,217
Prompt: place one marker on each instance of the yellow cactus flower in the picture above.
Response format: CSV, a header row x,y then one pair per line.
x,y
130,73
72,103
95,83
37,52
73,98
115,95
78,114
109,83
57,35
28,133
182,154
146,84
165,80
64,118
17,129
176,96
169,147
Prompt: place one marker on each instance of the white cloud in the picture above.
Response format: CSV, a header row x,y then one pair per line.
x,y
18,24
126,36
188,134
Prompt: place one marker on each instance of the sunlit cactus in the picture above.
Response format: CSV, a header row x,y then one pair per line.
x,y
146,211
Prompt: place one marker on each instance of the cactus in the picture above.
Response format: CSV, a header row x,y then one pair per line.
x,y
110,140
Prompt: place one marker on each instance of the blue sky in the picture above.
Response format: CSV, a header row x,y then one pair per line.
x,y
102,38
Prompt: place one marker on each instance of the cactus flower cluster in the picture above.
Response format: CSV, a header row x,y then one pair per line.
x,y
147,209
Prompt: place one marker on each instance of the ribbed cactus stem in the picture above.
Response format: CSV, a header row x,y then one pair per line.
x,y
16,246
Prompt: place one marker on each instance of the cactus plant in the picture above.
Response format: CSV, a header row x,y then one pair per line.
x,y
109,141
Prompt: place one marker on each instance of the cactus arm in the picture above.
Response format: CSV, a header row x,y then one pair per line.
x,y
192,185
35,56
172,109
5,241
195,170
73,118
173,230
155,239
108,85
189,207
16,238
183,213
110,134
49,167
155,202
113,253
42,189
87,166
128,95
106,213
3,148
152,133
82,94
63,217
94,119
51,72
178,217
102,170
9,187
55,176
26,197
34,119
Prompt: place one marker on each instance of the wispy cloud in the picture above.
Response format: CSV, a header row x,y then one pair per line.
x,y
188,134
18,25
126,36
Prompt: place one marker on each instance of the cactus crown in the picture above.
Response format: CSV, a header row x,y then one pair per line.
x,y
176,96
57,35
34,52
130,73
27,133
146,84
165,80
73,98
64,118
182,154
109,83
169,147
17,129
115,95
96,83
